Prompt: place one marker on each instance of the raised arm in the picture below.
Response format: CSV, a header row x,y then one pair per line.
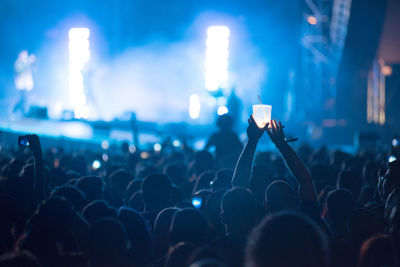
x,y
242,173
39,185
295,164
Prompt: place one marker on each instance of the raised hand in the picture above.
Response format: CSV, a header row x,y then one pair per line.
x,y
34,144
276,133
253,131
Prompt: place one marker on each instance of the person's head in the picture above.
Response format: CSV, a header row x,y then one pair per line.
x,y
203,181
389,181
53,219
133,187
179,255
280,196
239,211
370,173
177,172
203,161
261,177
136,201
75,196
287,239
377,251
118,183
351,181
156,192
223,179
162,226
340,204
138,234
188,225
322,175
92,186
106,243
225,122
96,210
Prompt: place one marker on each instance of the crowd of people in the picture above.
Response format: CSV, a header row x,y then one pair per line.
x,y
180,207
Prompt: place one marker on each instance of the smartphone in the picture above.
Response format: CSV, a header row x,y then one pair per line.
x,y
196,202
392,158
395,142
23,141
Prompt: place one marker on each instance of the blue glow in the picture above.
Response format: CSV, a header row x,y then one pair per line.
x,y
176,143
196,202
157,147
96,165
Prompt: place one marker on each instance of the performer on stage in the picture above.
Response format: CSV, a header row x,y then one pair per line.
x,y
23,67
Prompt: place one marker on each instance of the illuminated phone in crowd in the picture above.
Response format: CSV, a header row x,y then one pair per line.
x,y
23,141
196,202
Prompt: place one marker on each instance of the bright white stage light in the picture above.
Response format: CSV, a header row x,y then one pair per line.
x,y
222,110
176,143
96,165
194,106
79,55
105,145
157,147
217,57
132,148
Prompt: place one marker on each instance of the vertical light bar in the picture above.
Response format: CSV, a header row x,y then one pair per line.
x,y
194,106
217,57
79,55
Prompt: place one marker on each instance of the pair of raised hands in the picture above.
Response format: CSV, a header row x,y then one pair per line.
x,y
275,132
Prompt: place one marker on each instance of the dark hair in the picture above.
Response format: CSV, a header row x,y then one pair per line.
x,y
340,204
239,209
156,190
280,196
188,225
287,239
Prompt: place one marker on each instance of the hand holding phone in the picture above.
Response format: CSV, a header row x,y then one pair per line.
x,y
32,141
23,141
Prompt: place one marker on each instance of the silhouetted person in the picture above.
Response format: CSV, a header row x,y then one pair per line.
x,y
188,225
179,254
96,210
287,239
138,233
162,226
156,193
239,214
279,196
340,204
118,183
92,186
377,251
107,244
351,181
225,141
390,180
